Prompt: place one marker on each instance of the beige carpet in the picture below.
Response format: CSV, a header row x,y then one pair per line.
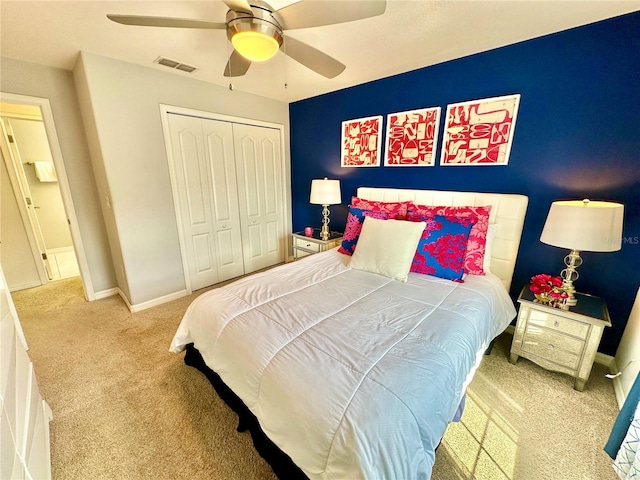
x,y
126,408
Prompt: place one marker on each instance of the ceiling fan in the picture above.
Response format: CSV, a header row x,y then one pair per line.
x,y
257,31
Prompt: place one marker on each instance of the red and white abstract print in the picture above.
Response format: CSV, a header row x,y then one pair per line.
x,y
412,137
480,132
361,143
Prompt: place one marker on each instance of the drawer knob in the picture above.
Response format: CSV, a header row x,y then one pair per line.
x,y
556,323
224,225
551,345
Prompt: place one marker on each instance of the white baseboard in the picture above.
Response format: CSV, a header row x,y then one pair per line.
x,y
24,286
105,293
151,303
53,251
124,298
606,360
621,395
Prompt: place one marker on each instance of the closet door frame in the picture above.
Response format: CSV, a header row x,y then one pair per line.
x,y
165,110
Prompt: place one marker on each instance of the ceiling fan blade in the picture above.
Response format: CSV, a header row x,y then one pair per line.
x,y
144,21
237,65
238,5
312,58
322,12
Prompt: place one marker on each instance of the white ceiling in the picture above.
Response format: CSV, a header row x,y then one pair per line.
x,y
409,35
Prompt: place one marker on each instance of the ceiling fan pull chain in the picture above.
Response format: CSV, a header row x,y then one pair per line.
x,y
230,65
284,50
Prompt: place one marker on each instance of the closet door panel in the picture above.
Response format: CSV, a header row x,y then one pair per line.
x,y
39,446
254,246
271,178
226,217
203,254
195,209
259,171
24,415
273,244
228,249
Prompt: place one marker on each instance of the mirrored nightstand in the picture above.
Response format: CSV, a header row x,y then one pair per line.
x,y
304,245
560,340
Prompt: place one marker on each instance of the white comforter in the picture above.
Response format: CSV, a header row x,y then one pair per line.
x,y
352,374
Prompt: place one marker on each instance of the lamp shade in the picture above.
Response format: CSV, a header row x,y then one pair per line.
x,y
255,46
325,192
584,225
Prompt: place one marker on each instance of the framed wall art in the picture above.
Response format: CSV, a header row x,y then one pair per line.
x,y
412,137
361,142
479,132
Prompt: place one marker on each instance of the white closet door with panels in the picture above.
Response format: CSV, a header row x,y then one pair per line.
x,y
24,415
207,192
258,163
228,191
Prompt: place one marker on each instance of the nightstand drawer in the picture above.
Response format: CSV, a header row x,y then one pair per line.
x,y
553,346
560,324
298,242
560,340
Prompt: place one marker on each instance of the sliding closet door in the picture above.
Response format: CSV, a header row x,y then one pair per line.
x,y
206,186
259,167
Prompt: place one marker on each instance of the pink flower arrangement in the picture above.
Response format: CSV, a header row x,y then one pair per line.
x,y
548,289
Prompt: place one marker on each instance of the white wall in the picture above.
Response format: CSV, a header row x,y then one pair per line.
x,y
57,86
120,107
628,354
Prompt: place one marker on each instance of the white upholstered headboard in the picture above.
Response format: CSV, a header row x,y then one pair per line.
x,y
507,213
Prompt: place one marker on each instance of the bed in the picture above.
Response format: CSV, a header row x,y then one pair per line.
x,y
343,373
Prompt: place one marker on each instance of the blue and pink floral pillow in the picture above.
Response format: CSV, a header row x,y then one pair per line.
x,y
443,245
360,208
474,258
352,230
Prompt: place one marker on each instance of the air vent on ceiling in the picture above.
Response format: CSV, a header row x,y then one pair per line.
x,y
167,62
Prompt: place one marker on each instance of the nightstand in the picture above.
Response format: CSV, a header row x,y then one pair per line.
x,y
560,340
303,245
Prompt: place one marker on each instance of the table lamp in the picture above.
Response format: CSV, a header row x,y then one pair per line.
x,y
325,192
582,225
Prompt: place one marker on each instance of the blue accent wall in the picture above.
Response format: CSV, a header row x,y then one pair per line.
x,y
577,136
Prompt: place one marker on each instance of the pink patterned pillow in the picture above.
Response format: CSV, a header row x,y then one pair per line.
x,y
398,210
474,257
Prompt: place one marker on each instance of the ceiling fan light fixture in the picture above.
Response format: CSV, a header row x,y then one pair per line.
x,y
256,36
255,46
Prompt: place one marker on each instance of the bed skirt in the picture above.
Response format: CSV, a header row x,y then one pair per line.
x,y
281,464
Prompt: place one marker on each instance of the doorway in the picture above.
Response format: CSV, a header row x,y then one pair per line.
x,y
43,216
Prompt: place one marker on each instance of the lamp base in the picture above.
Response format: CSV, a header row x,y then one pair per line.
x,y
571,301
569,274
324,231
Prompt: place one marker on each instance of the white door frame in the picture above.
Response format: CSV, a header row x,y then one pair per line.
x,y
165,110
63,182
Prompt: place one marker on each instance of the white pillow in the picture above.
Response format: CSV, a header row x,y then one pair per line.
x,y
491,235
387,247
